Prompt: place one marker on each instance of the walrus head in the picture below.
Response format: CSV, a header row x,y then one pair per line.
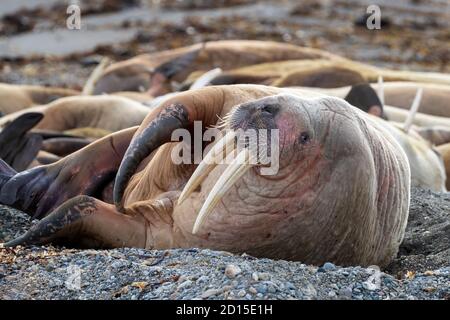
x,y
364,97
338,179
139,76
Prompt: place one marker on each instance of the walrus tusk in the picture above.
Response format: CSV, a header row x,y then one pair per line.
x,y
380,89
205,79
89,86
235,170
413,111
208,164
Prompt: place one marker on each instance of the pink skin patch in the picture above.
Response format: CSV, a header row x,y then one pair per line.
x,y
288,129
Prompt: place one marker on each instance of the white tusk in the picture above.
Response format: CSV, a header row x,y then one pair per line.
x,y
413,111
88,88
205,79
235,170
208,164
380,89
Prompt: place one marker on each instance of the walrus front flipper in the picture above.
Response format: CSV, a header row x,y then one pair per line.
x,y
166,71
86,222
64,146
86,172
18,147
6,172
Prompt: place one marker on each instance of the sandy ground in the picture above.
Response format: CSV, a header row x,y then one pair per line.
x,y
415,36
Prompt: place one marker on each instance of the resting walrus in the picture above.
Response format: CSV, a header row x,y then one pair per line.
x,y
434,102
154,70
73,122
17,97
341,193
106,112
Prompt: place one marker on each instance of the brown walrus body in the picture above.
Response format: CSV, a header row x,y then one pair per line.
x,y
311,210
17,97
106,112
435,97
327,73
64,126
144,71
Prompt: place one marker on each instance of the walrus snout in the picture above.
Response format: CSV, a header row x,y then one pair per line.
x,y
254,115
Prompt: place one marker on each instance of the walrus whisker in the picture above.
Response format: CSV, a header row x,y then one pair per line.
x,y
232,173
226,144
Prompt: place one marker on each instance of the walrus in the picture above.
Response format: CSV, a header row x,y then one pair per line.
x,y
311,210
437,135
72,123
17,97
426,165
435,97
400,94
321,73
444,151
105,112
23,147
154,70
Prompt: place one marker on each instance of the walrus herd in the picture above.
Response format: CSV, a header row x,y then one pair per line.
x,y
98,168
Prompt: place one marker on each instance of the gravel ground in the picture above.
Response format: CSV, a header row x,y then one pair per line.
x,y
422,270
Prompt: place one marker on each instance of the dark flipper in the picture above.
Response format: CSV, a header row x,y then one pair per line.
x,y
86,222
86,172
64,146
166,71
18,147
170,68
6,172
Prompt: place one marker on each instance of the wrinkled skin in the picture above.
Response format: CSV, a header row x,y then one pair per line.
x,y
312,210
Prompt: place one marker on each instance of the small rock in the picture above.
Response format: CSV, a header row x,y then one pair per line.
x,y
252,290
185,284
328,266
202,279
262,288
231,271
227,288
346,292
241,293
263,276
210,293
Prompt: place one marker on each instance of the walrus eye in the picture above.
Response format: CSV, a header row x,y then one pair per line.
x,y
304,138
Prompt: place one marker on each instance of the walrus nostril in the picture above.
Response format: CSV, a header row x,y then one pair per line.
x,y
270,109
